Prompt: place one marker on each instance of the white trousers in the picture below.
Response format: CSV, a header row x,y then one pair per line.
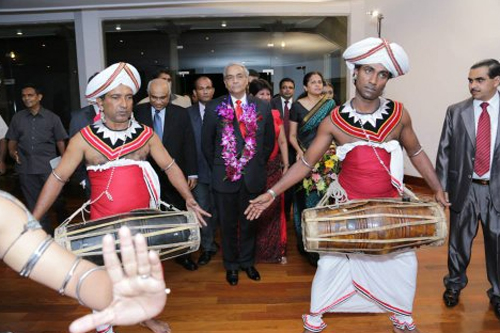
x,y
364,283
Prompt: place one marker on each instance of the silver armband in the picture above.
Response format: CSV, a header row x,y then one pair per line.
x,y
56,176
69,275
418,152
306,163
80,282
170,165
35,256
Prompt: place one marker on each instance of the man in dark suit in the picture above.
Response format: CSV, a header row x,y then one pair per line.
x,y
204,92
173,126
283,103
237,140
468,163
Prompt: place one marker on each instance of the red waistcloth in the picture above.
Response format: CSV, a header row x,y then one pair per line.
x,y
277,123
128,191
363,177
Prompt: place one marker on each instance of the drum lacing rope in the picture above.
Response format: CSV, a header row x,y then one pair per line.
x,y
335,191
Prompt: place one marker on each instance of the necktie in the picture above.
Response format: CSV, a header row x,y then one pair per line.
x,y
157,126
483,142
286,119
239,112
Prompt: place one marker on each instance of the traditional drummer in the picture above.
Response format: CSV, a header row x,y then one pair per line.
x,y
370,132
115,149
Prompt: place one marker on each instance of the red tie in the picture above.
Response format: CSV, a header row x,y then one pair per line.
x,y
286,119
239,112
483,142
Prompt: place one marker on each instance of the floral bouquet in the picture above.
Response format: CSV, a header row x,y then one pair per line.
x,y
322,173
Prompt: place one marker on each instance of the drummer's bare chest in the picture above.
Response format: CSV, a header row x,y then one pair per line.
x,y
94,157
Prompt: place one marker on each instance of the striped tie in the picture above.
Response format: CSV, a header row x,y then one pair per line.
x,y
483,142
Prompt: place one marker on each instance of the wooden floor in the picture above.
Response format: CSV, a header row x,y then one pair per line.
x,y
202,301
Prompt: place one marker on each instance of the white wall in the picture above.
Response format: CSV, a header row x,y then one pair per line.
x,y
443,38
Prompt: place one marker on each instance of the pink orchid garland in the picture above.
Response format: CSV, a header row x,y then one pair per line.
x,y
235,165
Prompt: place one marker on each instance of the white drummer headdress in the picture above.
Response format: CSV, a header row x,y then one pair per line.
x,y
112,77
378,51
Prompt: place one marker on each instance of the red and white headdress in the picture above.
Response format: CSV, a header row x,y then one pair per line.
x,y
378,51
112,77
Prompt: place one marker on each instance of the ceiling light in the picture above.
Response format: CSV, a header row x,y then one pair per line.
x,y
223,24
142,53
11,55
207,38
118,27
270,45
213,51
19,32
121,40
43,45
180,47
283,44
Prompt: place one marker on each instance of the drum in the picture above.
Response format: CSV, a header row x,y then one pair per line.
x,y
378,226
170,233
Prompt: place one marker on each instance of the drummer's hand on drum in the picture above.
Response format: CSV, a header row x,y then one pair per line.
x,y
442,198
138,288
258,205
193,206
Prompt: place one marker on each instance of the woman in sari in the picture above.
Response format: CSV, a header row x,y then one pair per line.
x,y
305,116
271,227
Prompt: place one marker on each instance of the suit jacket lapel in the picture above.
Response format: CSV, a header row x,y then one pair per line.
x,y
168,123
497,139
468,119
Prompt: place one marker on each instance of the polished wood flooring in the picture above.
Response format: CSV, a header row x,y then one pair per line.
x,y
202,301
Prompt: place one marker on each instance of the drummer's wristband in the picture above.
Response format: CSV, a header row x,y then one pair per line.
x,y
272,193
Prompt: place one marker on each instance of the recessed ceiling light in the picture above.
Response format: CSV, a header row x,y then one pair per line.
x,y
180,47
207,38
118,27
270,45
43,45
19,32
142,53
48,66
212,51
12,55
121,40
283,44
223,24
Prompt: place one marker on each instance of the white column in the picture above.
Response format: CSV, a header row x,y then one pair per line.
x,y
89,47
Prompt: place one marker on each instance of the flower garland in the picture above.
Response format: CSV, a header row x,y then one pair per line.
x,y
235,165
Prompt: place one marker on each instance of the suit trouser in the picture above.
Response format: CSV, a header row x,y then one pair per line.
x,y
237,233
203,195
31,186
463,230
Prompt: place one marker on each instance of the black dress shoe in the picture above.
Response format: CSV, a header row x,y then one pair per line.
x,y
496,309
204,258
252,273
451,297
232,277
187,263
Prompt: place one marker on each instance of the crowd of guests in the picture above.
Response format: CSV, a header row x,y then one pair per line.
x,y
37,139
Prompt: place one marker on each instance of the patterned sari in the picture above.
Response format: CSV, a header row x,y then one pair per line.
x,y
305,136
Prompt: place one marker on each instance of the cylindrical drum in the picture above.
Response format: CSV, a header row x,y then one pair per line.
x,y
170,233
377,226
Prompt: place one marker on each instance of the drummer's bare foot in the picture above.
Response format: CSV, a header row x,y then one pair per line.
x,y
157,326
397,330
